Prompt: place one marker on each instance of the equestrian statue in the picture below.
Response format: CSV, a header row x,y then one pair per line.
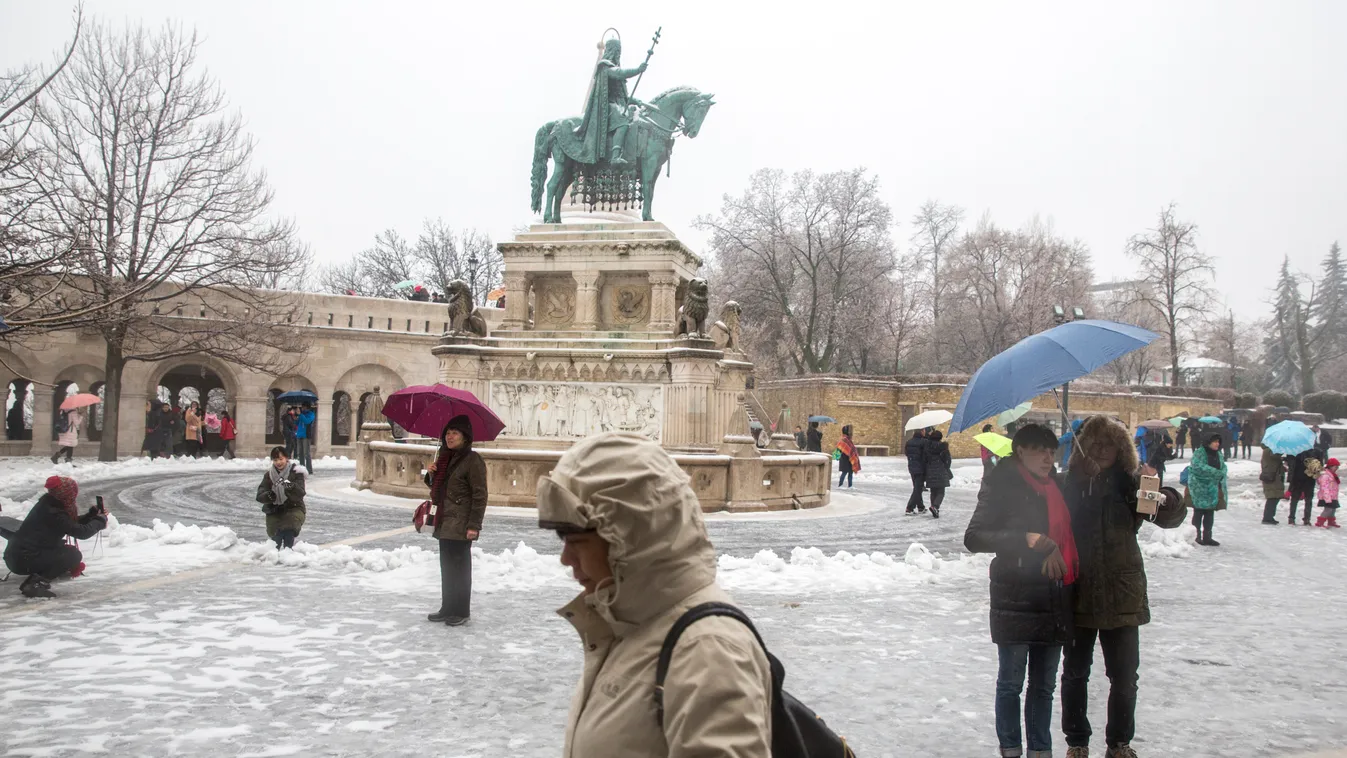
x,y
610,157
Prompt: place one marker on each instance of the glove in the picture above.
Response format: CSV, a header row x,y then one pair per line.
x,y
287,484
1054,566
1044,544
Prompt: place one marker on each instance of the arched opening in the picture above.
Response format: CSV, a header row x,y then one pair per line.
x,y
341,418
62,391
274,435
193,383
19,411
93,424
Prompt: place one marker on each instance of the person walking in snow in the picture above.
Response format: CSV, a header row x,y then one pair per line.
x,y
1246,437
289,427
192,424
988,458
68,435
1110,592
1161,453
1328,495
915,450
1207,477
813,438
634,538
228,431
281,494
1181,439
938,473
38,547
457,481
1304,475
848,459
1273,476
304,436
1022,516
1323,441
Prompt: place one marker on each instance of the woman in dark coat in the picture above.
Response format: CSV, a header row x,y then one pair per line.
x,y
1161,453
938,474
281,494
457,481
38,548
1022,516
1273,476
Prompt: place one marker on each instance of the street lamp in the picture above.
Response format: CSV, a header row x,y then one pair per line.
x,y
472,275
1061,316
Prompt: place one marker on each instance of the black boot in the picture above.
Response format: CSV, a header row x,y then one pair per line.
x,y
36,586
439,617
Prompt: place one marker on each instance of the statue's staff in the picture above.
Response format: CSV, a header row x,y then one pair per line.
x,y
653,41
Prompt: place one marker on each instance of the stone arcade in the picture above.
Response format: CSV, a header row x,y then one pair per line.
x,y
588,345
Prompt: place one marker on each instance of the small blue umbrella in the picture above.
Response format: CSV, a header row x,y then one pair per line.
x,y
1043,361
297,396
823,419
1288,438
1210,420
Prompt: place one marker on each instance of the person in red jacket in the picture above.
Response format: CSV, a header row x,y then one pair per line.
x,y
227,433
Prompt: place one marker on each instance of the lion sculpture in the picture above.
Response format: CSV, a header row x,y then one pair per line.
x,y
726,331
696,307
464,318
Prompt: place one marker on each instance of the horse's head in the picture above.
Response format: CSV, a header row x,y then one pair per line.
x,y
694,112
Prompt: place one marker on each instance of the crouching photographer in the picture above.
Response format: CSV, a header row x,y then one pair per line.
x,y
281,494
38,547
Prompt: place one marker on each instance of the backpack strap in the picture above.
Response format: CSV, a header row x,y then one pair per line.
x,y
692,616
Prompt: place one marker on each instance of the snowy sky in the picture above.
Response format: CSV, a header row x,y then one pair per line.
x,y
371,116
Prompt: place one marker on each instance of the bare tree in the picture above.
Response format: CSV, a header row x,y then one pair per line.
x,y
148,179
1229,341
439,255
28,262
1125,305
1002,285
1179,276
801,254
936,231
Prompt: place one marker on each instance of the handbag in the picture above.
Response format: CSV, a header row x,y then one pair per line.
x,y
424,514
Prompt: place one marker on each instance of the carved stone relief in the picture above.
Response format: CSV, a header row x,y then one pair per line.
x,y
629,304
556,302
572,411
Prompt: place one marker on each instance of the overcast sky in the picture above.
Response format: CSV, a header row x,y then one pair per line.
x,y
375,115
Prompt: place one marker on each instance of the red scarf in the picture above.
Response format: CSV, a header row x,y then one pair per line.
x,y
438,478
1059,522
849,450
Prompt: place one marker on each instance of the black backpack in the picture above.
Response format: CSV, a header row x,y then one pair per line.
x,y
63,422
797,732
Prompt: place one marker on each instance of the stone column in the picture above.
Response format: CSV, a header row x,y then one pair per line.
x,y
250,417
460,367
322,444
663,295
516,300
43,399
586,300
687,401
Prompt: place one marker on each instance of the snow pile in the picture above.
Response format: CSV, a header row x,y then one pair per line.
x,y
1170,543
207,538
341,558
809,569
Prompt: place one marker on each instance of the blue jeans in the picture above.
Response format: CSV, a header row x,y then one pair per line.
x,y
1041,663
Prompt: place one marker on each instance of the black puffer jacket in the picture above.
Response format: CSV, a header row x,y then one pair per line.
x,y
938,462
1027,607
915,450
46,527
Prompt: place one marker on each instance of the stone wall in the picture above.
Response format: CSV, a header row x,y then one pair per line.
x,y
877,409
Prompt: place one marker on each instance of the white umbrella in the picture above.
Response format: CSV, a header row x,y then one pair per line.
x,y
929,418
1006,417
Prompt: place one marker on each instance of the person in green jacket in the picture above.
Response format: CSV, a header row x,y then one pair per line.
x,y
1206,487
281,494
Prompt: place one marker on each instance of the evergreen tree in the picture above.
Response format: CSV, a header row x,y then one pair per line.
x,y
1330,306
1283,357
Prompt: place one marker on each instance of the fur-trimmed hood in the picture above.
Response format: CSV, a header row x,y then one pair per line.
x,y
1096,427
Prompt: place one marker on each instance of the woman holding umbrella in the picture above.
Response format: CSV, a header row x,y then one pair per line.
x,y
68,424
457,481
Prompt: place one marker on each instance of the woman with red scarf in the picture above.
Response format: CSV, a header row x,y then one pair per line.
x,y
38,547
848,459
457,481
1023,518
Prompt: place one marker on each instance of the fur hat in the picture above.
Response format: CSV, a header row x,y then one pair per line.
x,y
1333,462
1095,428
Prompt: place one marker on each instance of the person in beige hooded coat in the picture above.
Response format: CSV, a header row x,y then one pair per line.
x,y
635,539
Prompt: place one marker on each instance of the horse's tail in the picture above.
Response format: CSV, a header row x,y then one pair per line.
x,y
542,145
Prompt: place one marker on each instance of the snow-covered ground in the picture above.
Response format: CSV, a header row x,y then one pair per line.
x,y
192,634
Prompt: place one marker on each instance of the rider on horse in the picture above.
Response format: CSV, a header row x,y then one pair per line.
x,y
609,108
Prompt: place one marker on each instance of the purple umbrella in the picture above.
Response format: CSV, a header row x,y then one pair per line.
x,y
426,409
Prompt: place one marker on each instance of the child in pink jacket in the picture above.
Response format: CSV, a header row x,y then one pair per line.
x,y
1328,495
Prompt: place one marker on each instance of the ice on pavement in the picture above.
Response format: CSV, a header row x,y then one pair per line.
x,y
880,619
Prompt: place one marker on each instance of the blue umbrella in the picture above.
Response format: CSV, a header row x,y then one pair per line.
x,y
1210,420
823,419
297,396
1043,361
1288,438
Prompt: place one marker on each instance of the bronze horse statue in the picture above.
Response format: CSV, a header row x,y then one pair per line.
x,y
648,146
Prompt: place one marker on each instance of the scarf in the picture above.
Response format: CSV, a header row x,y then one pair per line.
x,y
65,490
278,479
849,450
1059,521
445,462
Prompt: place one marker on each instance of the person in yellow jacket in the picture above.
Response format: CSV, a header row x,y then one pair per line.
x,y
635,540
